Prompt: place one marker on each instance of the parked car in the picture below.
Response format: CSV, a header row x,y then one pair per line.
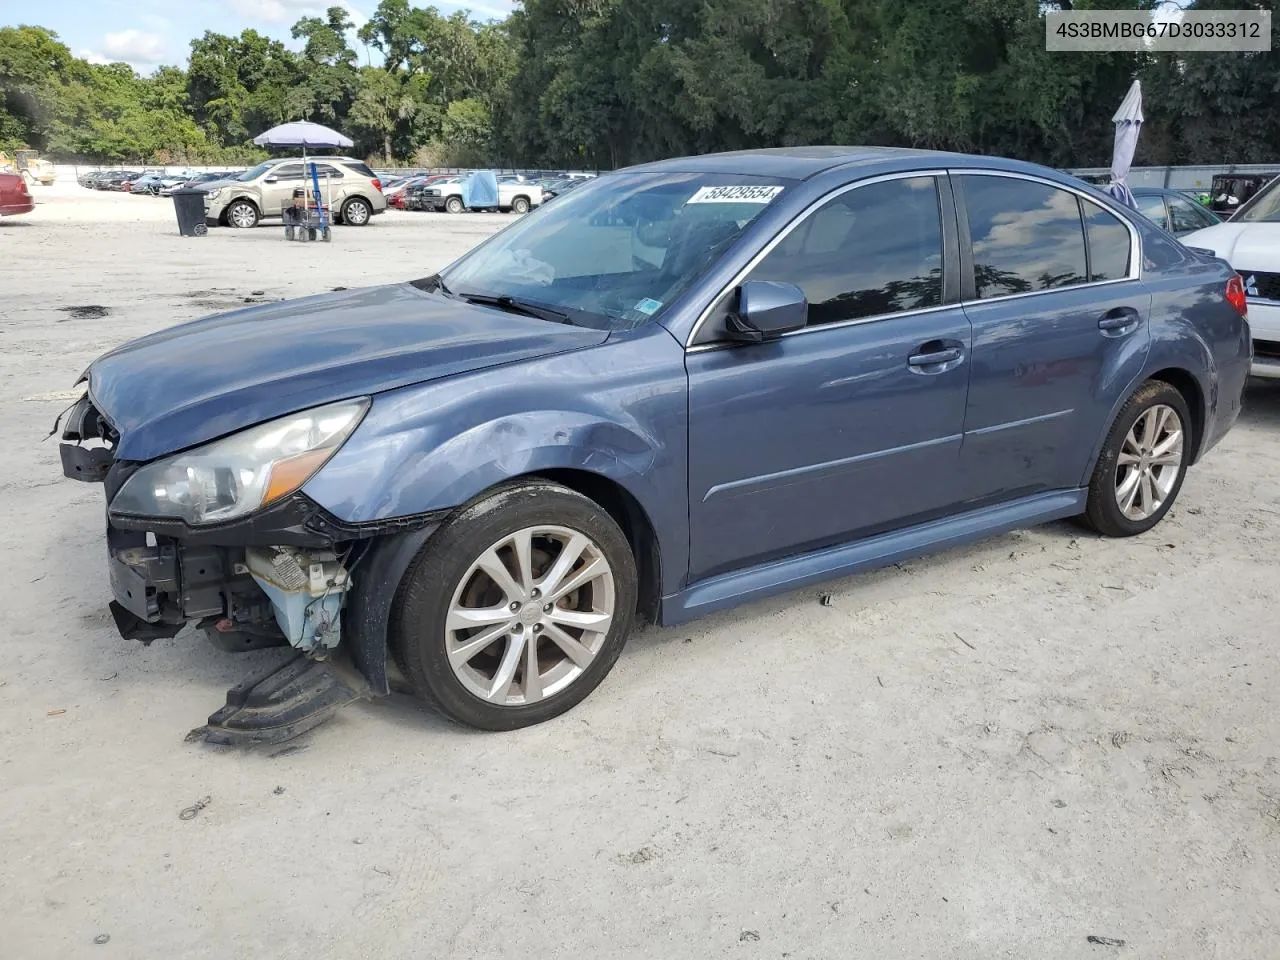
x,y
555,187
695,383
513,196
347,185
1228,192
1174,210
15,196
1250,242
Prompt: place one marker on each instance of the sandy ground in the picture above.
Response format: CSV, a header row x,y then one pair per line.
x,y
995,752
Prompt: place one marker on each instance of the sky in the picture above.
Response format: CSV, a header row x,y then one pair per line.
x,y
148,33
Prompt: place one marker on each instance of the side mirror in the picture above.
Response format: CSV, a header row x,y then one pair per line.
x,y
767,310
271,180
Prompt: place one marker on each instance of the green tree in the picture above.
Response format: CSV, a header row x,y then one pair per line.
x,y
467,132
382,103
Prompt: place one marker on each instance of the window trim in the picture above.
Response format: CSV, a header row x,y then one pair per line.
x,y
705,314
966,238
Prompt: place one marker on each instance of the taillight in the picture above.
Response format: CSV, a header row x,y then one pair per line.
x,y
1236,296
377,184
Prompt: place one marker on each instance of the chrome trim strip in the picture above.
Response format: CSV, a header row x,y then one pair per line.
x,y
1014,424
799,473
1135,258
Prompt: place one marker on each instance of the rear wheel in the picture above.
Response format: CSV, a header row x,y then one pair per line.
x,y
1143,462
242,214
517,608
356,212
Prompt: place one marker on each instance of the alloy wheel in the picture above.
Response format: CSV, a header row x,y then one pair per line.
x,y
1149,462
356,213
242,215
530,615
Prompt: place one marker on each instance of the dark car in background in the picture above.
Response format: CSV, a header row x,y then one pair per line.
x,y
1174,210
679,387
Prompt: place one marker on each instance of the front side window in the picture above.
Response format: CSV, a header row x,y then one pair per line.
x,y
1026,236
870,251
1109,243
616,251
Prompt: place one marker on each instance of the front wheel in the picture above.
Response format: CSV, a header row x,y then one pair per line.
x,y
517,608
520,205
356,212
242,214
454,205
1143,463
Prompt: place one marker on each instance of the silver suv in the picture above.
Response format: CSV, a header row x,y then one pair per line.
x,y
351,189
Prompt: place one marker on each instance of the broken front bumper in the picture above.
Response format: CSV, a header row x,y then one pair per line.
x,y
280,574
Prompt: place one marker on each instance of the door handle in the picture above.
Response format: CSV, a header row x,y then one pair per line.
x,y
933,358
1120,320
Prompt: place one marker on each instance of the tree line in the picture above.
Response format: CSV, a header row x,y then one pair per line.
x,y
605,83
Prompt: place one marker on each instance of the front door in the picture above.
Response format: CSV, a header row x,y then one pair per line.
x,y
1059,324
851,426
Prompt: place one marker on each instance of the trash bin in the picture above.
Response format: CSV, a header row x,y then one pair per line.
x,y
189,207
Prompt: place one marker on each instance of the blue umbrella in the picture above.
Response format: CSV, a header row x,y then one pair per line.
x,y
1128,121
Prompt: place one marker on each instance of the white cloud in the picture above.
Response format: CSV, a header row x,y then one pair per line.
x,y
288,11
93,57
134,46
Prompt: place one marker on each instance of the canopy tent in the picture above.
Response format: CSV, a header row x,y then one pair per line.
x,y
1128,121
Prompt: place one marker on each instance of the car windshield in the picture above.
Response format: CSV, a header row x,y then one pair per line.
x,y
253,173
613,253
1264,207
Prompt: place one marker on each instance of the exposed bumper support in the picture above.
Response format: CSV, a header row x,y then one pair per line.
x,y
283,703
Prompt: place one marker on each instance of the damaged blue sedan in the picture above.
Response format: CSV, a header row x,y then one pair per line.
x,y
680,387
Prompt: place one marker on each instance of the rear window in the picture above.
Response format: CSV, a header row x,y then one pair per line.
x,y
361,168
1109,243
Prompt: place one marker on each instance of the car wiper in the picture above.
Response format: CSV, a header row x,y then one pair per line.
x,y
512,305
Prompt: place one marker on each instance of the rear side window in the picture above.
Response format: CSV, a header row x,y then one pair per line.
x,y
1108,243
1026,236
362,168
1153,209
1185,216
870,251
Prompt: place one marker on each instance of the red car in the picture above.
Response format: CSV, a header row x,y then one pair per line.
x,y
14,195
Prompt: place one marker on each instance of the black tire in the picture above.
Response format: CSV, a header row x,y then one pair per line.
x,y
453,205
418,616
520,205
356,212
247,218
1103,512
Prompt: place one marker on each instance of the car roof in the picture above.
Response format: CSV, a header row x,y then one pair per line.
x,y
801,163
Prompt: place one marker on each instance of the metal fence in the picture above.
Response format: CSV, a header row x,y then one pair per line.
x,y
1196,178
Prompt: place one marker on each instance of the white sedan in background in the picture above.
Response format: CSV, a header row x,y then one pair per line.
x,y
1250,242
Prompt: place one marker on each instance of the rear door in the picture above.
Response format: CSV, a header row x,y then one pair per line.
x,y
1059,326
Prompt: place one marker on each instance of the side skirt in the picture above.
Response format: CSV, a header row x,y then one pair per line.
x,y
780,576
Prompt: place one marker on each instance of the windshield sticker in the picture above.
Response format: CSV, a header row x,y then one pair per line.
x,y
649,306
742,194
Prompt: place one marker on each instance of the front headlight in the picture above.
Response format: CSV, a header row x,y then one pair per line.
x,y
238,474
213,194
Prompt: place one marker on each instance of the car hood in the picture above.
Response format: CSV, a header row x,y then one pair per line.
x,y
201,380
1246,246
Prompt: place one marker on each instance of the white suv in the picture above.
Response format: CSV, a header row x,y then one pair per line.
x,y
1250,242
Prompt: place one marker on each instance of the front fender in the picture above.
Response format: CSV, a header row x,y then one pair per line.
x,y
617,411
